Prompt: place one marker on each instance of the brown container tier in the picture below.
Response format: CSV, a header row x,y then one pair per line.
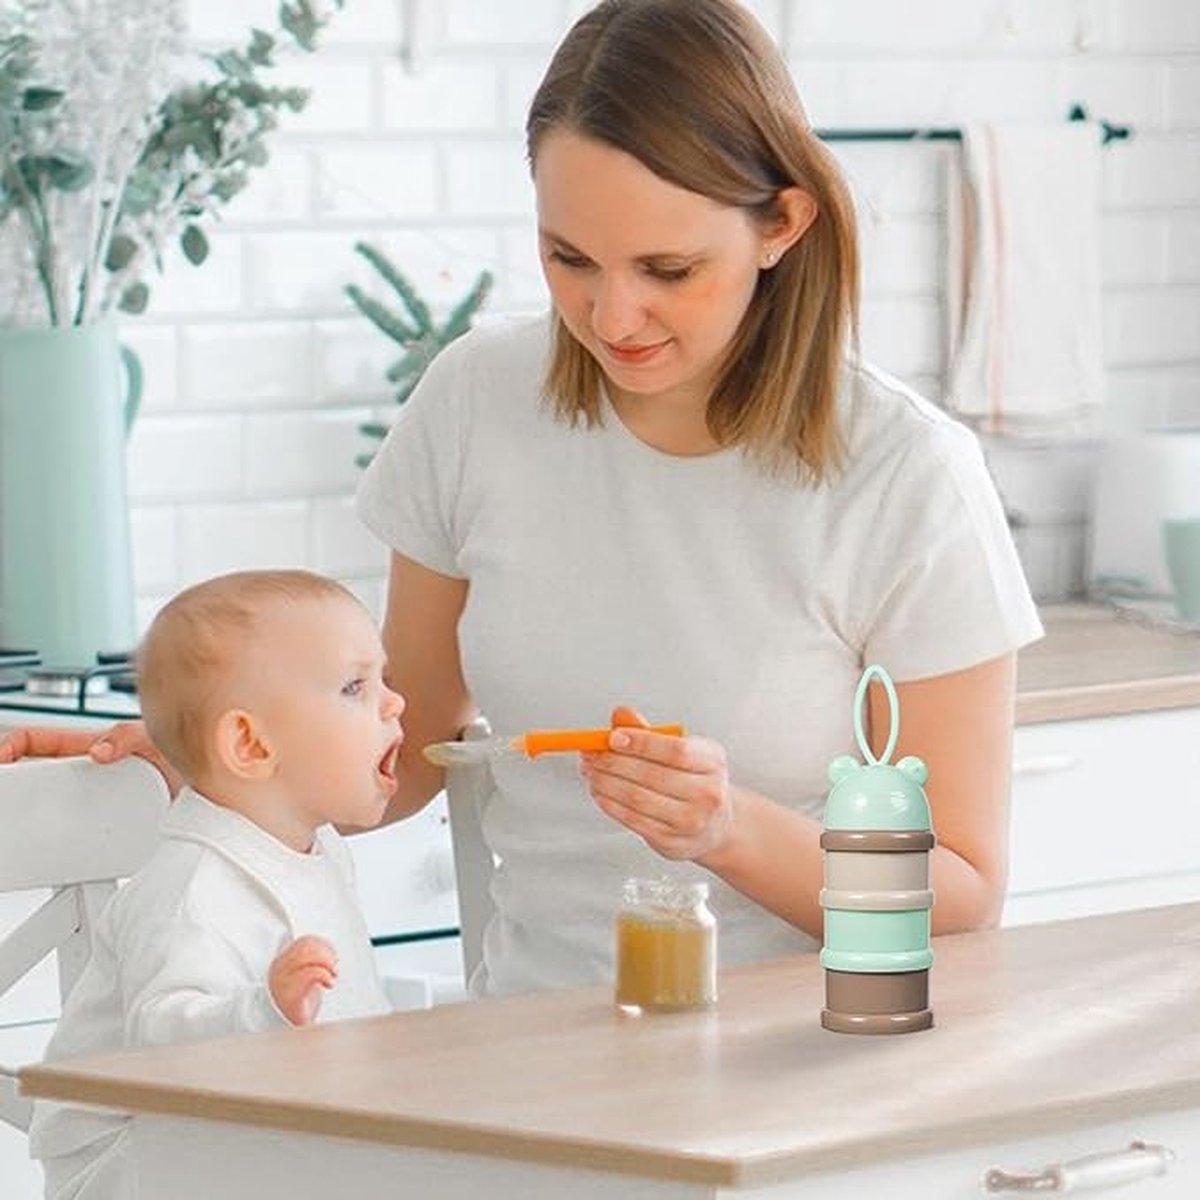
x,y
877,841
884,1002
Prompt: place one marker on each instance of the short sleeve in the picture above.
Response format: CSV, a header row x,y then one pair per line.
x,y
408,494
945,589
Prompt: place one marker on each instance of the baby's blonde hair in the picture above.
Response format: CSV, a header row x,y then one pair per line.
x,y
192,646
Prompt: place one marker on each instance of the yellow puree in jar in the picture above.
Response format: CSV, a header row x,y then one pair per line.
x,y
664,963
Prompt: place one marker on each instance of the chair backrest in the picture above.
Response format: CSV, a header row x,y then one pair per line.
x,y
467,792
76,828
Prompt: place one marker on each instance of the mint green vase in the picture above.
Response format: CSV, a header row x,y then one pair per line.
x,y
67,398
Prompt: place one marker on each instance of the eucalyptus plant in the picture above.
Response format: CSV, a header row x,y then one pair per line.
x,y
106,166
412,326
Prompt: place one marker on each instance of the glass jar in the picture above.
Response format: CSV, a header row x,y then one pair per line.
x,y
666,947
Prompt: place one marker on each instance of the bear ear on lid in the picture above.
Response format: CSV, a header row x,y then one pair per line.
x,y
842,766
914,768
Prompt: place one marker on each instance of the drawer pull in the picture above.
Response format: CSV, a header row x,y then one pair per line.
x,y
1140,1161
1045,764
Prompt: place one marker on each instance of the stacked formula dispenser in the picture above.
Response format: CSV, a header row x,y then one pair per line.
x,y
876,899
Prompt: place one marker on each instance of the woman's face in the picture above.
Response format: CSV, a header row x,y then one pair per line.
x,y
653,280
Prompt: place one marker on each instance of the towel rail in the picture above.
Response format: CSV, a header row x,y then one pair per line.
x,y
1108,132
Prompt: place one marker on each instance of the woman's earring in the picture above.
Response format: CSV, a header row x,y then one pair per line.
x,y
769,257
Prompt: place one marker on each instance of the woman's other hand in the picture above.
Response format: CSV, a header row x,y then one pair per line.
x,y
117,742
673,792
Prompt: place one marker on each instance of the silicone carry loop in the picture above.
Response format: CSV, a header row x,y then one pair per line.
x,y
876,672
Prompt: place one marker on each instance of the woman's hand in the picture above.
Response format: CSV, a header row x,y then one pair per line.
x,y
119,741
673,792
298,976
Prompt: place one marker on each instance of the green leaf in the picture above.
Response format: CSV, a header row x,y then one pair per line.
x,y
194,244
261,45
229,184
418,309
295,98
255,154
68,171
300,22
414,362
141,194
39,99
231,63
459,320
390,323
252,94
134,298
121,250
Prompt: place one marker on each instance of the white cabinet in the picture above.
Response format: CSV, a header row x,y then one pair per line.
x,y
959,1174
1105,815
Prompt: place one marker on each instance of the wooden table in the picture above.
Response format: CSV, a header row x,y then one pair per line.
x,y
1050,1041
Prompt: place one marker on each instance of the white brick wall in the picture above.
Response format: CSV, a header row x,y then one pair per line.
x,y
258,370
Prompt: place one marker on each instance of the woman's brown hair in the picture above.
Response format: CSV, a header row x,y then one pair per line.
x,y
699,94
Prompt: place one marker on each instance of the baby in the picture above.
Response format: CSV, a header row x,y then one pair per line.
x,y
264,690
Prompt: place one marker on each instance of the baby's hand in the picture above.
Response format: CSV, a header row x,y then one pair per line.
x,y
297,976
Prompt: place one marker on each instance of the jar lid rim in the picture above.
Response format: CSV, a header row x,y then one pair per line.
x,y
664,890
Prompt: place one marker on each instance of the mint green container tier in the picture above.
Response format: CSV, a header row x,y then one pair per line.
x,y
876,941
877,901
67,397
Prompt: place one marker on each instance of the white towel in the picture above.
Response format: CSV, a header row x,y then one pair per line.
x,y
1023,280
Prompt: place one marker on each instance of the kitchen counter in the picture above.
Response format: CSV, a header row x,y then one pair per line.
x,y
1039,1030
1095,661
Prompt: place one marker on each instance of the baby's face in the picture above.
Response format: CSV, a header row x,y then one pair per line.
x,y
334,723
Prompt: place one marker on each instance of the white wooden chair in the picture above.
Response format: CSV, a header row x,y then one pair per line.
x,y
75,828
467,791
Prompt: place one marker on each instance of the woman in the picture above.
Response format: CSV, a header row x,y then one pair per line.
x,y
684,491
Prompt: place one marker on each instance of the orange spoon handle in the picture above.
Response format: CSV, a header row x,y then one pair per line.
x,y
549,741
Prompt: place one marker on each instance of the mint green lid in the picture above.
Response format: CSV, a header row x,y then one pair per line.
x,y
876,794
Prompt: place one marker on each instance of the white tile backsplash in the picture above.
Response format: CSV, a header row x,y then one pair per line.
x,y
282,194
1183,247
155,548
343,94
485,179
343,546
186,458
243,365
486,25
1152,325
377,180
440,98
299,272
258,369
214,538
184,291
1154,170
299,453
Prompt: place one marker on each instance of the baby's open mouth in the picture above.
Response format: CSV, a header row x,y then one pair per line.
x,y
386,767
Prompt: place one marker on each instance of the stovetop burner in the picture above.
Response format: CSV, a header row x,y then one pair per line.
x,y
25,681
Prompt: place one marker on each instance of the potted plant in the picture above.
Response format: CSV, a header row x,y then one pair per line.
x,y
412,326
109,162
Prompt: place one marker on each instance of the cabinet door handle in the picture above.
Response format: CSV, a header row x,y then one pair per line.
x,y
1045,764
1139,1161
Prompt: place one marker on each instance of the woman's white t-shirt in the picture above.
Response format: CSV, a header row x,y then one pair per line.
x,y
697,589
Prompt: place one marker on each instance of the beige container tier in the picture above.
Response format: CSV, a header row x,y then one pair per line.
x,y
855,871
